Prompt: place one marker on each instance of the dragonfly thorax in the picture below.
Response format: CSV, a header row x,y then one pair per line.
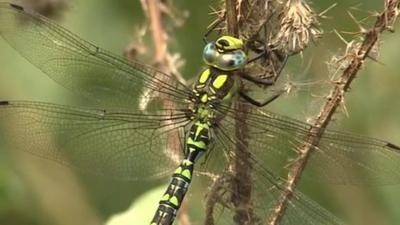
x,y
212,88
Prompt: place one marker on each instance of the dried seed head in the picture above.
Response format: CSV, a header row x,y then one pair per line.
x,y
299,25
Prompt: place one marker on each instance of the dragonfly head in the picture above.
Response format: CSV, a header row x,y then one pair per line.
x,y
225,54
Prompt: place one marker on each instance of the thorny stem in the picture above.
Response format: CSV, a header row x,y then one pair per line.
x,y
241,166
383,22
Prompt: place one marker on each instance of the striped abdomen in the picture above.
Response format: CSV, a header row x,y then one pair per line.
x,y
196,143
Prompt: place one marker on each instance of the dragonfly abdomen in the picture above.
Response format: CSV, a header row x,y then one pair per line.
x,y
173,196
196,143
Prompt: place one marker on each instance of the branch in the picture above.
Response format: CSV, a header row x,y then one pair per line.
x,y
231,18
241,165
384,22
158,33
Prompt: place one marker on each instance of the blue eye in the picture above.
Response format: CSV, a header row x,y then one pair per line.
x,y
209,49
228,61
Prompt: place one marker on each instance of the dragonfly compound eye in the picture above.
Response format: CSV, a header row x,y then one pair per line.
x,y
210,53
229,59
232,60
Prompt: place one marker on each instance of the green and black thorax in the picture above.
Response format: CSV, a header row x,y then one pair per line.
x,y
216,85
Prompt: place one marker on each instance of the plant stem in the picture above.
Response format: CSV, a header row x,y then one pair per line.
x,y
383,22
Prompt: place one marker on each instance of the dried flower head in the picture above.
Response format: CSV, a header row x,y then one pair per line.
x,y
299,25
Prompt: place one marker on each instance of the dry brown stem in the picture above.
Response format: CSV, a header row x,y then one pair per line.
x,y
241,166
385,21
231,18
163,60
158,33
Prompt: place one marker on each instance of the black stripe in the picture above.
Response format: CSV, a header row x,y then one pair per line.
x,y
183,178
168,204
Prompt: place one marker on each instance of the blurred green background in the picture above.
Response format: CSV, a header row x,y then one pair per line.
x,y
38,192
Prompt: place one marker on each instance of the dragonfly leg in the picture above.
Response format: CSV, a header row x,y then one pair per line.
x,y
259,56
257,103
283,58
257,80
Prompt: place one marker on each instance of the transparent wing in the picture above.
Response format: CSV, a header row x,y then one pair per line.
x,y
341,158
102,77
246,192
119,145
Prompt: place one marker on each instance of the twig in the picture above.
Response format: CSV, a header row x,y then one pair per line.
x,y
231,18
384,21
158,33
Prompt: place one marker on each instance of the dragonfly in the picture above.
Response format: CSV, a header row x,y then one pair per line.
x,y
133,111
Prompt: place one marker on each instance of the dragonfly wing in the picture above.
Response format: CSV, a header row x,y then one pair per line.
x,y
102,77
340,158
246,191
345,158
119,145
